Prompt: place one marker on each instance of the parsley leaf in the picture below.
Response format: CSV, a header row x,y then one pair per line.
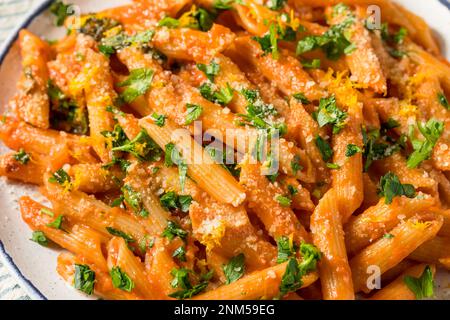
x,y
269,42
137,84
286,249
292,278
121,234
311,64
142,146
22,157
210,70
302,98
284,201
423,149
333,166
172,156
181,280
390,187
193,113
60,177
352,149
172,201
134,200
160,119
324,148
295,165
145,243
61,11
234,269
377,147
57,223
121,280
39,237
110,45
180,254
174,230
198,19
223,96
423,287
97,27
334,42
329,113
84,278
65,113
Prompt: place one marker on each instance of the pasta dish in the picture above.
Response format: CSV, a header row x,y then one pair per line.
x,y
236,149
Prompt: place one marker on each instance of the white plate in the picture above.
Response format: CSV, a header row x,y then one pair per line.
x,y
35,266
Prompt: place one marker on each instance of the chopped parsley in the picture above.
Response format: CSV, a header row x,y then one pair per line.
x,y
210,70
145,243
187,290
172,201
174,230
97,27
335,42
292,278
222,96
61,11
110,45
137,84
121,280
198,19
65,113
134,200
286,249
329,114
40,238
333,166
311,64
234,269
57,223
261,115
302,98
142,146
352,149
121,234
22,157
388,236
292,190
393,40
159,119
84,278
390,187
423,287
378,146
269,42
193,113
324,148
172,156
423,149
295,165
222,157
180,254
284,201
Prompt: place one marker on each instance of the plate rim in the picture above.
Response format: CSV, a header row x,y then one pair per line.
x,y
25,283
